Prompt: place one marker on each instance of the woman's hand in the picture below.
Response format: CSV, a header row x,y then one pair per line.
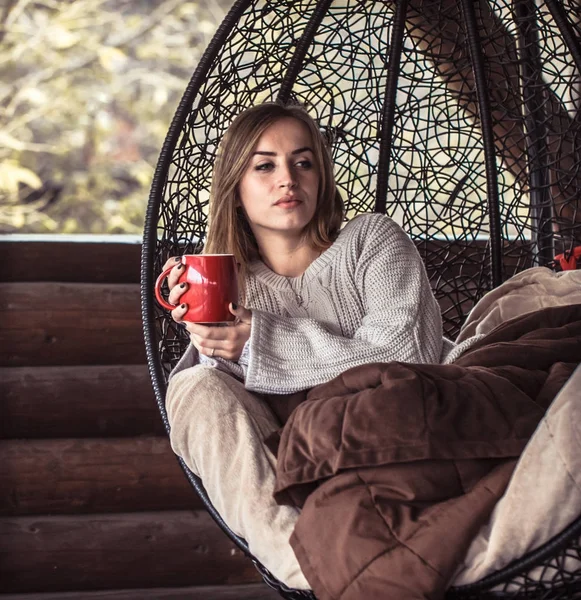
x,y
224,341
175,290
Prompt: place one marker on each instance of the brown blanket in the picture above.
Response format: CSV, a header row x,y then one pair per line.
x,y
396,466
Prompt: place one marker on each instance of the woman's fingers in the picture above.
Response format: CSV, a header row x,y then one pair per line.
x,y
177,314
171,262
243,315
199,339
174,274
224,342
176,292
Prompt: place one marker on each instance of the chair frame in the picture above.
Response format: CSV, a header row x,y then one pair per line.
x,y
567,543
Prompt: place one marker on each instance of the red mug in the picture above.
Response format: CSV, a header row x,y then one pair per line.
x,y
212,285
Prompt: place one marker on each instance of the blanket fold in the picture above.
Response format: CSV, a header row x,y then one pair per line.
x,y
396,466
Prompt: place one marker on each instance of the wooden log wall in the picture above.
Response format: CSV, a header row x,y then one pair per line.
x,y
93,503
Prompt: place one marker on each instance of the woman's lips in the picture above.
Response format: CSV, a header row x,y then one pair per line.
x,y
287,202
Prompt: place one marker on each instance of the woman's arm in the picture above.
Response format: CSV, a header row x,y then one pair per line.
x,y
401,321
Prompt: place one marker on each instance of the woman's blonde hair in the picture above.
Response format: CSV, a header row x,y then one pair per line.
x,y
228,229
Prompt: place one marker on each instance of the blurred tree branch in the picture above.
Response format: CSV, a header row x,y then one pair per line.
x,y
4,14
87,91
120,41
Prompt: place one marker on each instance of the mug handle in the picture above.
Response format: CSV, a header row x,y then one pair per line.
x,y
158,295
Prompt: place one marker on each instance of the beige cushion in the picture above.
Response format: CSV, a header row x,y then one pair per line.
x,y
526,292
217,427
543,496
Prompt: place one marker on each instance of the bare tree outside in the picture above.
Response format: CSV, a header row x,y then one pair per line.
x,y
87,91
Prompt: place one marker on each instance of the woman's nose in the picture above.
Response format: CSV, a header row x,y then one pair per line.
x,y
287,178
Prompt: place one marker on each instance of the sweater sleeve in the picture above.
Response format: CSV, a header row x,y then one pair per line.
x,y
401,322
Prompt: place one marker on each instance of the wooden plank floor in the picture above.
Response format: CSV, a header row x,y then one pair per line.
x,y
93,503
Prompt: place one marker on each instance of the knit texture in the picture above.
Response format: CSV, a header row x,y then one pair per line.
x,y
366,299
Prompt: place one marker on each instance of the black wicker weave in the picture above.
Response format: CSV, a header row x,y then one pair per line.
x,y
461,119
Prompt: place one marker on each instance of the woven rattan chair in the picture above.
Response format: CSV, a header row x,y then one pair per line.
x,y
460,119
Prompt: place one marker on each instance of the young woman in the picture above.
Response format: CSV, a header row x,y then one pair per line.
x,y
317,299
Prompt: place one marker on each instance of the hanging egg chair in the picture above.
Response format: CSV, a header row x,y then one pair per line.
x,y
460,119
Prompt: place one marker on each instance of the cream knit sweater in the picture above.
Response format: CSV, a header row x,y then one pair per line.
x,y
366,299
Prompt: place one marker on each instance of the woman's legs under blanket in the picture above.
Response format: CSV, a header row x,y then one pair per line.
x,y
218,428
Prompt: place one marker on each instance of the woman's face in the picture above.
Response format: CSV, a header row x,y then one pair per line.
x,y
279,188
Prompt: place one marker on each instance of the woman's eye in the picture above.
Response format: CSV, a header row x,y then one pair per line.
x,y
263,167
305,164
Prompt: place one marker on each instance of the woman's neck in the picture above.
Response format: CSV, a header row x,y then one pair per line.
x,y
288,259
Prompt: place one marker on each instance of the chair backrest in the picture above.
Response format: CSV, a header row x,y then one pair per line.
x,y
461,124
459,119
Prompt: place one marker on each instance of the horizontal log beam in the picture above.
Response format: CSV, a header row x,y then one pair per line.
x,y
79,262
92,476
108,552
106,401
255,591
43,324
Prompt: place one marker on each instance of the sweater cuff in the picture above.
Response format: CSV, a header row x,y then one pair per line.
x,y
258,340
207,360
229,367
245,357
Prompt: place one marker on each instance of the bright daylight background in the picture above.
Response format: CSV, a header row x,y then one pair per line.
x,y
87,91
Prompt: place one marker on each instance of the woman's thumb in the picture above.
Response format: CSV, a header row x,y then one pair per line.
x,y
242,313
